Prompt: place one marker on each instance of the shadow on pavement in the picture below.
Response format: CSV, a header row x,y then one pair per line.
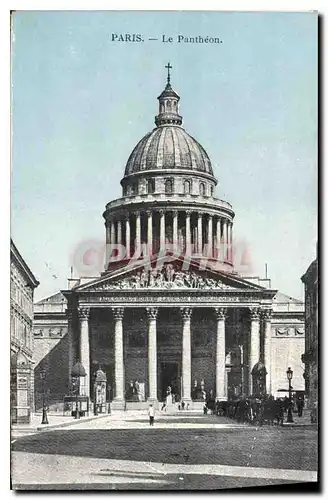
x,y
261,447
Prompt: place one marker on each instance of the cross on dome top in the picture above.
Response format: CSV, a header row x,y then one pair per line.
x,y
168,67
168,104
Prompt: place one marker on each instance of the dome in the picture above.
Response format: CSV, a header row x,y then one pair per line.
x,y
168,147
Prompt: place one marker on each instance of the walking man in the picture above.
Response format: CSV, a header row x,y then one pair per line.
x,y
151,413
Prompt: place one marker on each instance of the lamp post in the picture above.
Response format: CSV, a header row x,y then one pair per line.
x,y
43,376
289,378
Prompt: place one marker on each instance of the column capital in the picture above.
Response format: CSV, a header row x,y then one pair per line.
x,y
149,213
255,313
210,216
84,313
137,213
220,312
161,212
188,213
266,314
126,216
186,312
175,213
151,312
118,312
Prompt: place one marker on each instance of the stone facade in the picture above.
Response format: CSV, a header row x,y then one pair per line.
x,y
169,308
22,285
310,356
51,349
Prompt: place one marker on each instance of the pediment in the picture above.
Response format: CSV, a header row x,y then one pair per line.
x,y
168,275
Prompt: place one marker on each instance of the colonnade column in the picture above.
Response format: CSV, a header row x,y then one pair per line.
x,y
188,238
127,237
230,244
138,236
254,345
227,241
112,230
223,247
218,239
210,237
200,234
152,352
119,232
175,229
266,316
149,232
186,354
108,242
118,313
84,314
221,394
162,230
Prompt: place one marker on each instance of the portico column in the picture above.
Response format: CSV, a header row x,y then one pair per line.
x,y
210,237
175,229
152,353
188,239
266,317
200,234
84,346
223,241
150,232
127,237
138,236
254,347
118,313
69,316
162,230
186,354
221,393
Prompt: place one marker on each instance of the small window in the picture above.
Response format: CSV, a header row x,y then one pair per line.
x,y
150,186
168,105
168,186
187,187
212,190
202,189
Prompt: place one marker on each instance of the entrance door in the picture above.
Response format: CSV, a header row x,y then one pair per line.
x,y
169,376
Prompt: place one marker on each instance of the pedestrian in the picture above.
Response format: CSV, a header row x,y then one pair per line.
x,y
300,406
151,413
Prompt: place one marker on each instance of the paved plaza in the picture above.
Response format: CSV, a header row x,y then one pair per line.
x,y
182,451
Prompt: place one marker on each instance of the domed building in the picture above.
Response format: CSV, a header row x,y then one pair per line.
x,y
170,314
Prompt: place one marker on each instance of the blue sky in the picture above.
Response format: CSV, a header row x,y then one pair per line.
x,y
82,102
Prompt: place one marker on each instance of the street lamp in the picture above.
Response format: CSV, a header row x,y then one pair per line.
x,y
289,378
43,376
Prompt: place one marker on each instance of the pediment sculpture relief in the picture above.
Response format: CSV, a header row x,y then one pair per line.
x,y
167,277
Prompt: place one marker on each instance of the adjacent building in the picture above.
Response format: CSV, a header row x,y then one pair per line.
x,y
22,285
310,356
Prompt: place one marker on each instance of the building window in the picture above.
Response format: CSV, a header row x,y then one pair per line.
x,y
212,190
134,188
186,187
202,189
150,186
168,186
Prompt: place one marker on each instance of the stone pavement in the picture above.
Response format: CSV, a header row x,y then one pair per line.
x,y
55,421
182,451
